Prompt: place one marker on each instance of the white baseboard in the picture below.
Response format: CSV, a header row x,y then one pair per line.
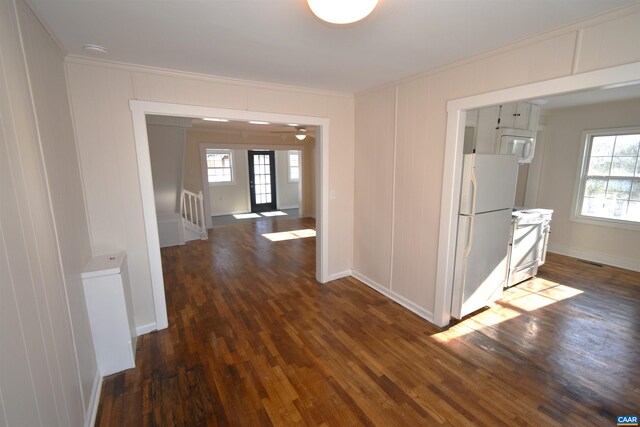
x,y
243,211
595,257
288,207
145,329
340,275
94,402
425,314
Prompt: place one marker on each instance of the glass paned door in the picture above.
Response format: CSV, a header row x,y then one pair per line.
x,y
262,180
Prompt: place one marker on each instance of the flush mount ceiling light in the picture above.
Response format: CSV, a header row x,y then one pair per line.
x,y
95,48
214,119
342,11
300,133
257,122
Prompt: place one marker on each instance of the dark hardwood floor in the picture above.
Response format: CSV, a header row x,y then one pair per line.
x,y
254,340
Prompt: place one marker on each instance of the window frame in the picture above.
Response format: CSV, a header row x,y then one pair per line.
x,y
231,165
580,184
299,154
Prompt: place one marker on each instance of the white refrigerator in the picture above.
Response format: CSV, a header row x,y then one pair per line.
x,y
484,220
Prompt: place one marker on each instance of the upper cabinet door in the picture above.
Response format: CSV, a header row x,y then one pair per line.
x,y
521,115
508,115
486,130
534,115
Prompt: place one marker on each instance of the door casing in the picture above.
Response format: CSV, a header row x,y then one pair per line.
x,y
139,110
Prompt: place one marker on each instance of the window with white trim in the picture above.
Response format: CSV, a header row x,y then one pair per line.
x,y
293,162
219,166
610,179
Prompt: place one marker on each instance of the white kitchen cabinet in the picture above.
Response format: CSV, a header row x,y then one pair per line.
x,y
110,308
486,130
487,121
506,115
471,118
534,116
519,115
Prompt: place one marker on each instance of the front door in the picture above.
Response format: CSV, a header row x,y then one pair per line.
x,y
262,181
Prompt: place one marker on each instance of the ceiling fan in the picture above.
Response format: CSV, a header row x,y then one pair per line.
x,y
299,132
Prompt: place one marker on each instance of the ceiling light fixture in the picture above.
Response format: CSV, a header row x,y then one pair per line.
x,y
214,119
300,134
342,11
255,122
95,48
295,125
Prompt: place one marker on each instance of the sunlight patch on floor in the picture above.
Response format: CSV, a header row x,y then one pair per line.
x,y
246,216
526,297
290,235
274,213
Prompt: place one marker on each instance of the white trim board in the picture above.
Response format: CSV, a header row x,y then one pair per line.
x,y
172,72
426,315
452,171
244,211
340,275
145,329
139,109
94,402
598,257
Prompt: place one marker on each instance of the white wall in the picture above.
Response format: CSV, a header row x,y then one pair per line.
x,y
287,192
100,94
48,367
232,198
561,162
166,150
521,182
400,144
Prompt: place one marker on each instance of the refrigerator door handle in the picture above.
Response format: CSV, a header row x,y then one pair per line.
x,y
527,150
474,185
467,248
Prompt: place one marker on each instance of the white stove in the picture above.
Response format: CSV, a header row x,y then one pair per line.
x,y
531,216
528,243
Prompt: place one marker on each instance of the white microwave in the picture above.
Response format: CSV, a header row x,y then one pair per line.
x,y
519,142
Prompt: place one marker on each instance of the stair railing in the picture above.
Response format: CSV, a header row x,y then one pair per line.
x,y
193,212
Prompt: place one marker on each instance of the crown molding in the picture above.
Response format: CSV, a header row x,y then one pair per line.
x,y
135,68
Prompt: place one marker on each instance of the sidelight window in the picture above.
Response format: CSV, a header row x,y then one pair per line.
x,y
293,160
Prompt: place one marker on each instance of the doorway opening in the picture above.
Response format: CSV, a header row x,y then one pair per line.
x,y
626,75
140,109
262,180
